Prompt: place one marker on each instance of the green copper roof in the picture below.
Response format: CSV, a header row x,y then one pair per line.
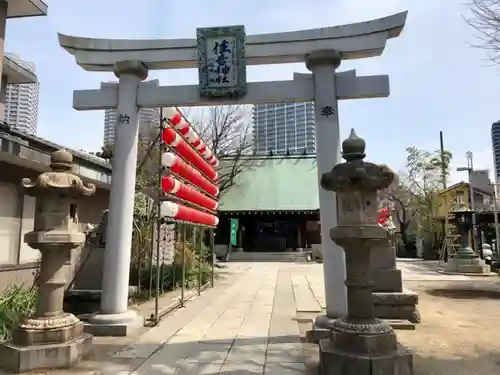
x,y
274,184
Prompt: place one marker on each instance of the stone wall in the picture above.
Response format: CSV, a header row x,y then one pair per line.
x,y
167,244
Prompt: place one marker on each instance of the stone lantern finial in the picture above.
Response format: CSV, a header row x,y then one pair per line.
x,y
353,148
61,161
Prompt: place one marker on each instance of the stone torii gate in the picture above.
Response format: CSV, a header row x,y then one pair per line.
x,y
322,50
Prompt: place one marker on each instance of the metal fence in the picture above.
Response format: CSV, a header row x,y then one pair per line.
x,y
176,257
180,265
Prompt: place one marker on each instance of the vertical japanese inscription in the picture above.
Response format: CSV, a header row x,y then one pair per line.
x,y
220,62
327,111
222,66
123,119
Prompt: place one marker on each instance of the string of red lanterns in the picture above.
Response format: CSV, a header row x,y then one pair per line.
x,y
181,168
174,140
175,118
190,159
180,212
175,187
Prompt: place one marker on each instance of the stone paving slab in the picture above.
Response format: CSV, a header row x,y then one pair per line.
x,y
317,285
248,329
245,325
305,300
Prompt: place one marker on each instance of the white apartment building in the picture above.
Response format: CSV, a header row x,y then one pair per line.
x,y
148,119
21,100
284,127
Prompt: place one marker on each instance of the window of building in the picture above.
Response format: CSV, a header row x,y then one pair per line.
x,y
459,197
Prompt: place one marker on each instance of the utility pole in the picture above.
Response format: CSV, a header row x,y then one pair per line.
x,y
443,181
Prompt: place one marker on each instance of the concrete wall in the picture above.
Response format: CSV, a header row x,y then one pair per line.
x,y
18,261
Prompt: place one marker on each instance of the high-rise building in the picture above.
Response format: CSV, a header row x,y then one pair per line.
x,y
495,140
21,100
149,118
284,127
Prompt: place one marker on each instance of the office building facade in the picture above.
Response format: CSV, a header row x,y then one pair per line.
x,y
149,118
495,140
21,100
283,128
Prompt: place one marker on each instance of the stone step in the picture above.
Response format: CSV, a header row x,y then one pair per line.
x,y
401,324
269,257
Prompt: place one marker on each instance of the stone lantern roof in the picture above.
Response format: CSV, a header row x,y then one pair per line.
x,y
60,178
356,173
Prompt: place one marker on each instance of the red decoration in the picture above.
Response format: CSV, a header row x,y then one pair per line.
x,y
171,138
177,120
182,213
178,166
383,215
172,186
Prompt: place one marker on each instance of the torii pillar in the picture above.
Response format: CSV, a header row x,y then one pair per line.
x,y
323,64
114,318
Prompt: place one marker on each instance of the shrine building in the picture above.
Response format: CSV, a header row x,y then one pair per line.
x,y
276,204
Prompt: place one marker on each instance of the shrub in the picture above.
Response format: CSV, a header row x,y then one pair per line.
x,y
169,272
16,303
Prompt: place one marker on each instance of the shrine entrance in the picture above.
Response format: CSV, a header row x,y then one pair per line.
x,y
221,56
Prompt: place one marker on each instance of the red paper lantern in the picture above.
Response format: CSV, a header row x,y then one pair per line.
x,y
383,215
182,213
171,138
178,166
173,186
177,120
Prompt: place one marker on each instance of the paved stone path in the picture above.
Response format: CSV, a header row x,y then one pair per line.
x,y
249,328
246,328
245,325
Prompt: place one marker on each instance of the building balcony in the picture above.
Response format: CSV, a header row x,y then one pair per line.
x,y
26,8
16,73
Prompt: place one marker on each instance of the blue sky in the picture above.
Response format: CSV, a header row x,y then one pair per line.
x,y
438,82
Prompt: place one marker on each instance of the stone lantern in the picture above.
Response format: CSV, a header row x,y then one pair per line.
x,y
360,343
465,260
51,337
391,300
463,218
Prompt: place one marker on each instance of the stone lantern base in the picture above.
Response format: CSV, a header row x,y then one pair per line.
x,y
364,349
475,266
391,300
397,306
45,343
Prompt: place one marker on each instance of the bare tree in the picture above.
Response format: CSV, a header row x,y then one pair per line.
x,y
424,176
485,19
404,206
423,181
227,131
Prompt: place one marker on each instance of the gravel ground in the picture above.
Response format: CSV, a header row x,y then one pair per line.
x,y
459,333
459,330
